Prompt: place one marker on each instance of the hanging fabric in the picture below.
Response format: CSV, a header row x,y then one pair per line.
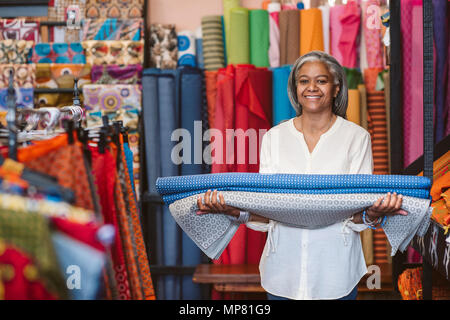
x,y
311,34
350,23
274,33
336,31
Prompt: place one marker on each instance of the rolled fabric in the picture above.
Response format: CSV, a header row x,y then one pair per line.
x,y
282,108
336,31
274,34
363,101
287,198
199,48
186,49
213,50
354,108
163,46
238,47
325,10
259,37
211,92
372,34
289,36
227,6
311,34
350,22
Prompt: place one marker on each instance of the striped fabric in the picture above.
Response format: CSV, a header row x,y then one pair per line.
x,y
377,126
213,51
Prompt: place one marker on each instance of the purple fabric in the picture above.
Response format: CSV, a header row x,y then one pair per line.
x,y
115,74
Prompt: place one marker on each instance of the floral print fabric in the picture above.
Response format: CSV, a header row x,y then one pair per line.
x,y
163,46
14,51
124,9
114,52
115,74
58,53
24,75
113,29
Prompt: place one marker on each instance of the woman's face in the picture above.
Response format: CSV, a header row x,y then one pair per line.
x,y
315,87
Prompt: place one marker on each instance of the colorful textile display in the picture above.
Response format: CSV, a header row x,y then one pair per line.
x,y
238,46
57,9
274,34
285,198
311,34
111,98
163,46
186,48
15,51
122,52
58,53
336,31
213,50
115,74
24,75
129,117
289,36
372,34
120,9
259,37
60,75
24,98
350,22
113,29
19,29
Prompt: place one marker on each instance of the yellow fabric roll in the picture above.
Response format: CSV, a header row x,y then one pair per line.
x,y
311,34
227,6
354,107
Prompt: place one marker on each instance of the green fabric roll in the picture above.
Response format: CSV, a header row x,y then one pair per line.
x,y
227,6
213,51
259,37
239,45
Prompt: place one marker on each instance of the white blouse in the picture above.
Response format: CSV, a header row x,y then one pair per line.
x,y
325,263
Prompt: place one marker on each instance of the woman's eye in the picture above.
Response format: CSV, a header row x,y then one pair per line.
x,y
303,81
321,81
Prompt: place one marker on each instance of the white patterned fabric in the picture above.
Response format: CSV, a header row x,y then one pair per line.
x,y
213,232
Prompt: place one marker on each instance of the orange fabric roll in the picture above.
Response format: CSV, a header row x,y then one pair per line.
x,y
211,92
354,106
370,78
311,34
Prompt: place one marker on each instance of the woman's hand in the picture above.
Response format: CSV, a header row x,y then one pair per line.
x,y
390,206
211,205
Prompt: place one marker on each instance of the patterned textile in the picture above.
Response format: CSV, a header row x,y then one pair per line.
x,y
129,117
64,34
114,52
57,9
24,75
24,98
124,9
163,46
15,51
111,98
133,140
213,50
372,35
113,29
30,232
186,48
115,74
19,29
60,75
20,278
58,53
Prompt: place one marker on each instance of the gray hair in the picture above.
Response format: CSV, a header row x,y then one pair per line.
x,y
340,103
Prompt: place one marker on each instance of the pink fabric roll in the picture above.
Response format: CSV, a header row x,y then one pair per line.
x,y
336,31
372,33
350,21
274,34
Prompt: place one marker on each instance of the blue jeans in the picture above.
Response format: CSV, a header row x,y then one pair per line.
x,y
351,296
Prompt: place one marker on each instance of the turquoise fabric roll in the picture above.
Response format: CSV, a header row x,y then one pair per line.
x,y
282,108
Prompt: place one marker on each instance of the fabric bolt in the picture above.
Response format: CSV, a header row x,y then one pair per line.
x,y
259,37
163,46
370,78
102,167
372,34
228,5
211,94
116,74
311,34
186,48
63,34
336,30
441,35
89,263
350,22
274,34
15,51
58,53
57,9
282,108
120,9
20,277
122,52
24,75
19,29
30,232
353,109
363,100
23,96
213,49
113,29
199,53
60,75
289,36
111,97
325,10
363,64
387,99
238,46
